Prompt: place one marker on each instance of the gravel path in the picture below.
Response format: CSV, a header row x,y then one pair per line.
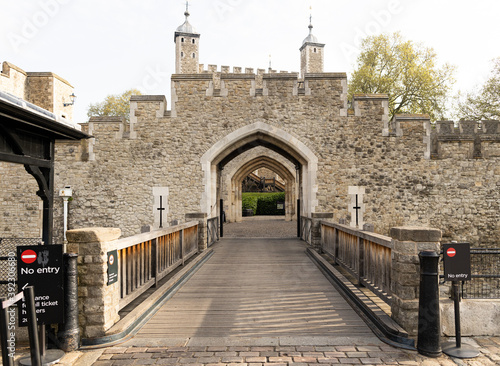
x,y
261,227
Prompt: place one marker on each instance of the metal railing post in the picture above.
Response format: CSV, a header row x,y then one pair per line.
x,y
29,295
221,213
69,335
429,324
298,218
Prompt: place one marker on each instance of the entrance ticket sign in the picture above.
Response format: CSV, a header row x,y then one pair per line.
x,y
112,267
41,266
456,259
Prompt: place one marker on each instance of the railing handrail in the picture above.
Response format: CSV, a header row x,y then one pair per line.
x,y
383,240
141,238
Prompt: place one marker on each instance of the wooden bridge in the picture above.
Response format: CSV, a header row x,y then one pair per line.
x,y
256,288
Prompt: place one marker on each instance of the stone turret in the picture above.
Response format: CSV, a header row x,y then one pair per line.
x,y
186,47
311,54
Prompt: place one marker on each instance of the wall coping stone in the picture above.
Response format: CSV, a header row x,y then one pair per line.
x,y
148,98
370,96
48,74
6,66
322,215
411,117
93,235
181,77
415,234
106,119
229,75
292,75
326,75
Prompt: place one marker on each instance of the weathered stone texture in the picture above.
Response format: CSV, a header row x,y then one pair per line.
x,y
98,302
458,194
407,243
20,208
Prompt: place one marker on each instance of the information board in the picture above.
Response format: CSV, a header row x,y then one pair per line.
x,y
456,260
41,266
112,267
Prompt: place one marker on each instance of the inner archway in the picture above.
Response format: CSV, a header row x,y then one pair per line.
x,y
246,138
234,178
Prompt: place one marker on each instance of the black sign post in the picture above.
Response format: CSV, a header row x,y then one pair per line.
x,y
456,260
112,267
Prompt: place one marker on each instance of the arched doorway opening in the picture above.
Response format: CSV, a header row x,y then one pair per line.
x,y
232,188
246,138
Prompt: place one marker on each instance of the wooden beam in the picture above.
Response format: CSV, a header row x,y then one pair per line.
x,y
26,160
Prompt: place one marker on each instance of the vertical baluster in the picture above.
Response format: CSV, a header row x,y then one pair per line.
x,y
121,267
142,269
129,270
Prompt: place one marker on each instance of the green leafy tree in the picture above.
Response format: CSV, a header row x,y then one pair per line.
x,y
404,70
482,104
113,105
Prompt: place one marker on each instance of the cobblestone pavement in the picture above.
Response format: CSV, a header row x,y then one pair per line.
x,y
379,354
261,227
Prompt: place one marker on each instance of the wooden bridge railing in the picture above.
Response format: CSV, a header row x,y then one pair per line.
x,y
144,259
365,255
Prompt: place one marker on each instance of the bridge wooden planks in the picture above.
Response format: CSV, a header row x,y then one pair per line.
x,y
256,288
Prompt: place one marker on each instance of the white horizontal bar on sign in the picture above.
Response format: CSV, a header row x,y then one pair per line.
x,y
12,300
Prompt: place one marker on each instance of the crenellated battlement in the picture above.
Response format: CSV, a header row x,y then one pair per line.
x,y
213,82
465,139
466,129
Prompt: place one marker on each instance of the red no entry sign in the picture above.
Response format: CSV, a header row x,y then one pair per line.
x,y
456,260
28,256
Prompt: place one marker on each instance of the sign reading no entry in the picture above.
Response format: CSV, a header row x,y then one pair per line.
x,y
41,266
456,259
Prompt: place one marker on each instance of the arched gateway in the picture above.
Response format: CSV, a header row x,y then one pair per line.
x,y
232,189
248,137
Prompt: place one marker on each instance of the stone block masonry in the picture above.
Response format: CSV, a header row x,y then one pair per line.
x,y
407,243
98,303
406,184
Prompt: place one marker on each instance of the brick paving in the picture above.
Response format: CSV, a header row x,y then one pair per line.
x,y
289,356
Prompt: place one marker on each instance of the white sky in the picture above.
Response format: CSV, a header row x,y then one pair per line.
x,y
108,46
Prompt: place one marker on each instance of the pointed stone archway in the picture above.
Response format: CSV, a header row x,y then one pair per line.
x,y
246,138
233,183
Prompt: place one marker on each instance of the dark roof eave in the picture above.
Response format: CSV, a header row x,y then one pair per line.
x,y
38,123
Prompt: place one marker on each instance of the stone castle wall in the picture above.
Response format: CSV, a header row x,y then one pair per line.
x,y
404,186
20,208
13,80
43,89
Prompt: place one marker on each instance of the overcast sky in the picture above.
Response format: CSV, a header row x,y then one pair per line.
x,y
108,46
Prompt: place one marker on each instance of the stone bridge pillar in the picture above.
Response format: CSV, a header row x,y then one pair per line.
x,y
316,218
98,303
202,228
407,243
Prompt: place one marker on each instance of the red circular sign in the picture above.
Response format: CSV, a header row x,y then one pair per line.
x,y
451,252
28,256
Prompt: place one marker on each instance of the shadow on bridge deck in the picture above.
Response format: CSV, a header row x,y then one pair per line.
x,y
257,288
